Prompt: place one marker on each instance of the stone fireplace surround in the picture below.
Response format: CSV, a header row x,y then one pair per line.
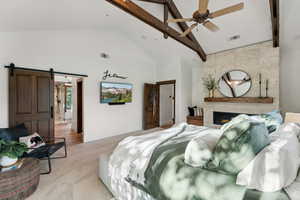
x,y
256,59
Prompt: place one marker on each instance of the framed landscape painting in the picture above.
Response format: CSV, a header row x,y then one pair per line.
x,y
111,92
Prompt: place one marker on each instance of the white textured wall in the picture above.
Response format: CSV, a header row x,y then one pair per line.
x,y
79,52
290,56
179,69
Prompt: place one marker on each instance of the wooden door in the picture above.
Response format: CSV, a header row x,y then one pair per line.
x,y
79,107
31,95
151,113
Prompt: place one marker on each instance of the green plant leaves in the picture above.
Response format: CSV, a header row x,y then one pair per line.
x,y
12,149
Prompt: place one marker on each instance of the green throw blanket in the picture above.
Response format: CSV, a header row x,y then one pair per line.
x,y
169,178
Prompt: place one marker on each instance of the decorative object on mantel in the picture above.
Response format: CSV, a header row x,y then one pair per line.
x,y
268,100
211,85
267,87
235,83
107,74
260,95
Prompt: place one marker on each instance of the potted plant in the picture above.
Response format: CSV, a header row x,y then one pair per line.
x,y
10,151
211,85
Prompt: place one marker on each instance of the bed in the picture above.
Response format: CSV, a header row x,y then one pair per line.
x,y
153,167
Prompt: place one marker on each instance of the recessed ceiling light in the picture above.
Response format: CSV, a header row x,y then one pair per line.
x,y
104,55
106,15
235,37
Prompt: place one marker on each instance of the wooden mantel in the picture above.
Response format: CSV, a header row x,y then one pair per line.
x,y
268,100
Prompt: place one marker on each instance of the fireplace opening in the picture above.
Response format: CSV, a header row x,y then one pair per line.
x,y
221,118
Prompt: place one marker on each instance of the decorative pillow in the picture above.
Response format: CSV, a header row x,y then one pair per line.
x,y
272,120
242,139
13,134
276,166
33,141
290,127
199,150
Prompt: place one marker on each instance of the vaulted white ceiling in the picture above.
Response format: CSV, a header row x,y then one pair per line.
x,y
253,24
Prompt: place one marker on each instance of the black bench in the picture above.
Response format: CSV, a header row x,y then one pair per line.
x,y
45,152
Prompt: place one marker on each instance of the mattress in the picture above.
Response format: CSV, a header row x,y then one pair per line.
x,y
103,169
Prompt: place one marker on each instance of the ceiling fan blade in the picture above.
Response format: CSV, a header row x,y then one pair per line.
x,y
203,5
180,20
226,11
211,26
185,33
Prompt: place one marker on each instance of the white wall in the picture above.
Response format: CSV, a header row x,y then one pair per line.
x,y
290,56
179,69
171,71
79,52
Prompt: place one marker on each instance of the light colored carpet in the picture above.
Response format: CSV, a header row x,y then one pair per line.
x,y
76,177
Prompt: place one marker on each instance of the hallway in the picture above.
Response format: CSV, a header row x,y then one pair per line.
x,y
63,129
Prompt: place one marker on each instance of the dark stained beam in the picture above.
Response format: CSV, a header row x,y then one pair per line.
x,y
154,1
166,17
183,26
274,6
138,12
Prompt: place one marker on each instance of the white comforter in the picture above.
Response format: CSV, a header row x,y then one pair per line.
x,y
131,157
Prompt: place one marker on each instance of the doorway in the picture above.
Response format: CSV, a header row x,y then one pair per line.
x,y
166,103
159,104
68,109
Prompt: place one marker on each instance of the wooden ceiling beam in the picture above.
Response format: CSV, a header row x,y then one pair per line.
x,y
138,12
154,1
183,25
274,7
166,17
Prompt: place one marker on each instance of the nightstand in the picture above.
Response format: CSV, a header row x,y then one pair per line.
x,y
195,120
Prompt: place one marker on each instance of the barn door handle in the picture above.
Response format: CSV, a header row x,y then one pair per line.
x,y
51,110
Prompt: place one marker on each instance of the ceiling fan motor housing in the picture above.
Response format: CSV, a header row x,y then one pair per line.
x,y
200,17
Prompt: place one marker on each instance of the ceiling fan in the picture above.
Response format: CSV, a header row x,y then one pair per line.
x,y
202,16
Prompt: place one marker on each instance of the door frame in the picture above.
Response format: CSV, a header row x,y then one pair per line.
x,y
169,82
80,106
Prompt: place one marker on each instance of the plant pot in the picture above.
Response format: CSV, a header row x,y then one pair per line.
x,y
7,161
211,93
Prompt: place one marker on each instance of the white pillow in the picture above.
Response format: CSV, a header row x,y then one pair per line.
x,y
32,141
199,150
292,127
276,166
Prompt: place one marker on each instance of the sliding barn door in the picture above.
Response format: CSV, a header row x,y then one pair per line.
x,y
31,101
151,113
